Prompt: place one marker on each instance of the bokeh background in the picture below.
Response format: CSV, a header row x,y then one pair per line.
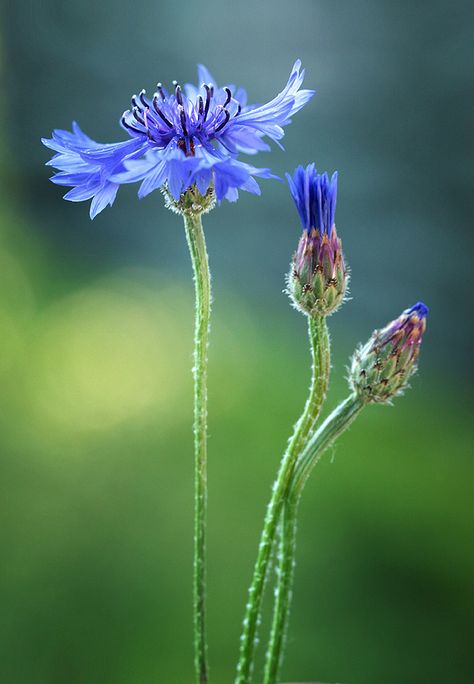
x,y
96,336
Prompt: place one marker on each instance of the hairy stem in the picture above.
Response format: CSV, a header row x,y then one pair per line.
x,y
283,594
202,283
336,423
319,340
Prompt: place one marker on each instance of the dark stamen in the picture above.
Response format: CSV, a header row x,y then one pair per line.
x,y
182,117
160,90
160,113
229,97
239,109
201,105
127,125
137,114
208,101
226,119
177,92
134,101
141,95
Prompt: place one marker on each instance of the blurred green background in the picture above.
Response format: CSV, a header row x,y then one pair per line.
x,y
96,337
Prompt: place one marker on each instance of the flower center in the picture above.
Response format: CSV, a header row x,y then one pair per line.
x,y
189,123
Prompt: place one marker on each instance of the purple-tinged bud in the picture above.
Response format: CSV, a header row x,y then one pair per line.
x,y
381,368
318,278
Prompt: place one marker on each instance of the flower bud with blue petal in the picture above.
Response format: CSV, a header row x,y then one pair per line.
x,y
318,279
381,368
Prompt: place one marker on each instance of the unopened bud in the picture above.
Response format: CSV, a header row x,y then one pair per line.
x,y
318,278
381,368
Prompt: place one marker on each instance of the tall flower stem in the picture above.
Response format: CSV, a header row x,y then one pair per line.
x,y
202,283
320,349
338,421
284,589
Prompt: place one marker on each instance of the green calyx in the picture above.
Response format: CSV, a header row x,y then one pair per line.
x,y
380,372
315,293
318,279
191,202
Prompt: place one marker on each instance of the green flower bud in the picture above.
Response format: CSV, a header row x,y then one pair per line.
x,y
381,368
318,278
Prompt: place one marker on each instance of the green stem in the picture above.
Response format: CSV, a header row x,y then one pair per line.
x,y
336,423
281,609
202,283
319,340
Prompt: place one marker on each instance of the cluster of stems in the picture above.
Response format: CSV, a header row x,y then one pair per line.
x,y
389,357
338,421
320,348
304,447
283,503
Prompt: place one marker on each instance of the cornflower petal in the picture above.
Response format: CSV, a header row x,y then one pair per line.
x,y
177,138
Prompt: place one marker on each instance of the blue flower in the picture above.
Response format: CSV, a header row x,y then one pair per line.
x,y
318,278
315,198
191,136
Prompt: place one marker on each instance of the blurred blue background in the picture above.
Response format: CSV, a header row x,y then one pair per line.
x,y
96,338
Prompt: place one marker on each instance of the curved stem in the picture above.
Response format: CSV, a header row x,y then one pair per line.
x,y
202,283
283,595
333,426
319,340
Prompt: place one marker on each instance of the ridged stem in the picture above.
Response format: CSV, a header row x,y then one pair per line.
x,y
320,349
336,423
283,593
202,283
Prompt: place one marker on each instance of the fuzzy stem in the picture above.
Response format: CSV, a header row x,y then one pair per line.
x,y
319,339
336,423
283,593
202,283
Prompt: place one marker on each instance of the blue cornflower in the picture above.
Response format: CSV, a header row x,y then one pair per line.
x,y
191,136
318,279
315,198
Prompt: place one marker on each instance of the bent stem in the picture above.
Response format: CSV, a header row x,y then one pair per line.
x,y
202,283
319,340
336,423
283,593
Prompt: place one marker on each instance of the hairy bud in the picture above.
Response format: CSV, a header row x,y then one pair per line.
x,y
318,278
381,368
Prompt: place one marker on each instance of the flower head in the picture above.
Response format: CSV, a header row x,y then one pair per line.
x,y
381,368
189,136
318,278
